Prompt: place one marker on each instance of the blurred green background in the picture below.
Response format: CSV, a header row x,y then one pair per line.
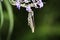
x,y
14,24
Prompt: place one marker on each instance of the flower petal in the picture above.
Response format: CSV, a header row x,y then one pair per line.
x,y
18,4
28,8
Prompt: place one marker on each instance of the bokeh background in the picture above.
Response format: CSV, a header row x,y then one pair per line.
x,y
14,26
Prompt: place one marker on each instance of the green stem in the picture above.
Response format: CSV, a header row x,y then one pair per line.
x,y
10,13
2,18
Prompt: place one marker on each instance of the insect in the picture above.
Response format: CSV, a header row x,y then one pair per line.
x,y
28,4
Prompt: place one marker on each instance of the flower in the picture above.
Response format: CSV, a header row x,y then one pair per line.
x,y
28,8
40,3
18,4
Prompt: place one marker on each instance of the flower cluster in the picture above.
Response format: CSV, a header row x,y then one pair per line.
x,y
28,4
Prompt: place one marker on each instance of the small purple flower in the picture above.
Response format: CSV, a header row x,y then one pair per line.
x,y
40,3
28,8
18,4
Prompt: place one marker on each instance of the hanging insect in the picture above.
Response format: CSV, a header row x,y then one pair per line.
x,y
28,4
